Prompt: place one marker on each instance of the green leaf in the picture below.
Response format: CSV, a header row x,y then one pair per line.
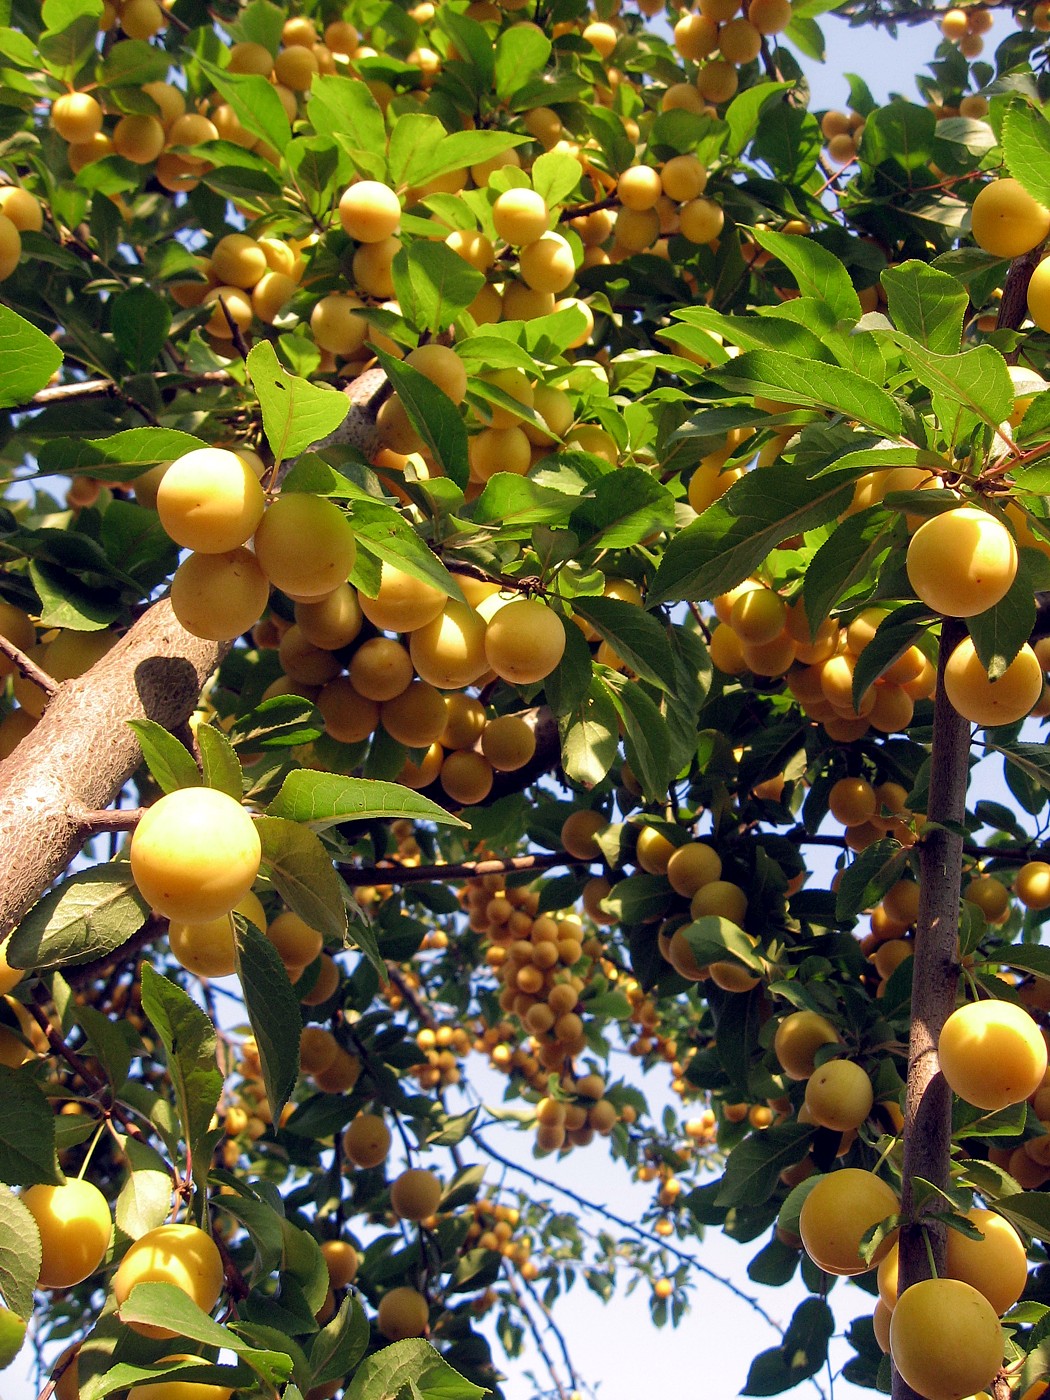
x,y
926,304
521,52
28,359
70,35
132,62
169,761
735,535
639,898
189,1042
19,1254
412,1367
345,110
792,380
108,1042
635,635
894,635
220,765
646,736
621,509
743,112
713,939
302,872
434,416
27,1131
1026,146
817,272
869,876
144,1201
754,1165
273,1010
140,321
283,721
87,916
126,1374
999,633
1026,957
325,799
383,531
338,1347
566,686
67,601
295,412
555,176
164,1305
802,1353
433,285
589,736
110,457
1029,1211
845,559
966,389
255,103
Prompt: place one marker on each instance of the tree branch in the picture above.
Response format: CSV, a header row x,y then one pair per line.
x,y
107,389
537,1335
27,667
357,875
928,1105
82,751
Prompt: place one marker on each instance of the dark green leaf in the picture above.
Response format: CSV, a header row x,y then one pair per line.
x,y
338,1347
589,736
273,1010
255,104
817,272
521,52
622,509
27,1132
754,1165
413,1367
28,359
869,876
636,636
303,873
140,321
844,560
19,1254
434,416
188,1037
926,304
433,285
325,799
88,915
792,380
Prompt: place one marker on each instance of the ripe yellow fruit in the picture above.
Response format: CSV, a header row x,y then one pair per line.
x,y
403,1312
219,596
207,949
77,117
380,669
992,1054
962,562
194,854
210,501
403,603
837,1214
416,717
443,367
524,642
798,1038
336,326
75,1230
986,702
996,1265
839,1095
465,721
16,626
758,616
579,830
332,621
547,264
238,261
366,1141
1007,221
1032,884
415,1194
692,866
180,1255
990,895
945,1339
10,247
720,898
701,220
369,211
342,1260
305,573
1039,296
348,716
466,776
296,942
852,801
508,743
520,216
653,851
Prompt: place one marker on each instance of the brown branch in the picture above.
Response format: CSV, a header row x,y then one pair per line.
x,y
107,389
82,751
28,667
579,211
928,1104
357,875
95,1085
574,1379
537,1335
1013,308
236,334
95,822
65,1361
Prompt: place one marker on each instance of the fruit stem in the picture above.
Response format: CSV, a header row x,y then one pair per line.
x,y
928,1109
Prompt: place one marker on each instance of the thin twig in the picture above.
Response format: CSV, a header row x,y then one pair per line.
x,y
28,667
236,334
94,1084
537,1335
67,1359
106,819
357,875
574,1379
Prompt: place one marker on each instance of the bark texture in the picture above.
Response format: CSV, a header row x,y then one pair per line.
x,y
82,751
928,1110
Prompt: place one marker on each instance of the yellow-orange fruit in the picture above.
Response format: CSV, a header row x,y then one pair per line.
x,y
992,1054
75,1230
194,854
987,702
962,562
945,1339
180,1255
524,642
1006,220
366,1141
837,1214
414,1195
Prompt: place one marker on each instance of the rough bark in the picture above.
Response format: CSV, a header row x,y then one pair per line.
x,y
928,1111
82,751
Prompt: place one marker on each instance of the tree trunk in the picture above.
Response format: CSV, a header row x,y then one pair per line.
x,y
82,751
928,1112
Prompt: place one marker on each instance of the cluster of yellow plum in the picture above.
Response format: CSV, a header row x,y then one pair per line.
x,y
720,36
444,1046
966,27
493,1227
20,212
842,132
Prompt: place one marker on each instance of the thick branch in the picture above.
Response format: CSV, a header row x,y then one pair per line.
x,y
928,1111
82,751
